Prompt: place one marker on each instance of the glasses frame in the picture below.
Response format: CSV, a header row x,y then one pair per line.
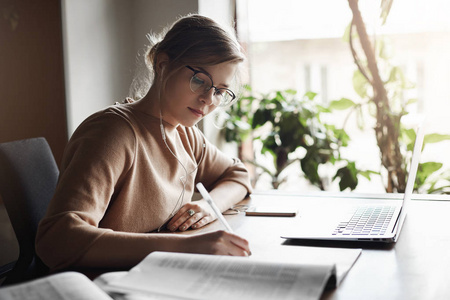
x,y
216,89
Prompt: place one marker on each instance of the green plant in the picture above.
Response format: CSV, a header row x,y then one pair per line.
x,y
381,87
283,125
431,179
289,129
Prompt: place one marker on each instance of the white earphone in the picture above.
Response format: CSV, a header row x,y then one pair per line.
x,y
183,178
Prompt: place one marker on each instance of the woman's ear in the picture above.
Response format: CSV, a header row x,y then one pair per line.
x,y
162,62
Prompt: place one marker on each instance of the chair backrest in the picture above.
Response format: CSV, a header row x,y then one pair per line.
x,y
28,177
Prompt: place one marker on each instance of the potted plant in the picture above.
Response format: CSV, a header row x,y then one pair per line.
x,y
289,130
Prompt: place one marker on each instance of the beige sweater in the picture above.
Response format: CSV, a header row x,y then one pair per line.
x,y
119,181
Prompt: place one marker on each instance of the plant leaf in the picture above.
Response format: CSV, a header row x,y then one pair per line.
x,y
367,173
411,101
385,9
360,84
425,170
435,138
341,104
310,95
347,175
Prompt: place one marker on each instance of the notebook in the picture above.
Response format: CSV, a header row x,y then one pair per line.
x,y
375,220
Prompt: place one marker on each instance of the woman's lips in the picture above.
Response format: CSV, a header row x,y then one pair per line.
x,y
196,112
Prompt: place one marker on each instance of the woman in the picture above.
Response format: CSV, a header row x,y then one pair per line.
x,y
130,170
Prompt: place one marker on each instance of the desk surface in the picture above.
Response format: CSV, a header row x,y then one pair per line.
x,y
416,267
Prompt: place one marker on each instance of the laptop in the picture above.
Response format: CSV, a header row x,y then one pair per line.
x,y
372,220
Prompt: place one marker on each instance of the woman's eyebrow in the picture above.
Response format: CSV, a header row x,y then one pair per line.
x,y
206,72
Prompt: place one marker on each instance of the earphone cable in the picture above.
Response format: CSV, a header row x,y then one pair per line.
x,y
183,178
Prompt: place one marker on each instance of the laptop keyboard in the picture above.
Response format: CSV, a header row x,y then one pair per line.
x,y
367,220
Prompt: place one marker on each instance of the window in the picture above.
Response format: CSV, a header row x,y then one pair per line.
x,y
298,44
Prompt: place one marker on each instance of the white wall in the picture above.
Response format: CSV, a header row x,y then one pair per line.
x,y
155,15
97,60
222,11
101,41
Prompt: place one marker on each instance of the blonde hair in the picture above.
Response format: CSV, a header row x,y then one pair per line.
x,y
191,40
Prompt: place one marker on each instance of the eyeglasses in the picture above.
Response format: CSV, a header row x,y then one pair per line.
x,y
201,83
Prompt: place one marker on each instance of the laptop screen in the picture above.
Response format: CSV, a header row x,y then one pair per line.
x,y
417,151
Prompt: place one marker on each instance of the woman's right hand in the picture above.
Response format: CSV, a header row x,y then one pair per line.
x,y
218,243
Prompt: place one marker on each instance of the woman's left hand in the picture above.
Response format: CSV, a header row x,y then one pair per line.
x,y
192,215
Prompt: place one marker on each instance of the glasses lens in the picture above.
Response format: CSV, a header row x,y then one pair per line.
x,y
200,83
223,97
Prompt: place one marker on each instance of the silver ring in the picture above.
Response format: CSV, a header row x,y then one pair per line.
x,y
191,212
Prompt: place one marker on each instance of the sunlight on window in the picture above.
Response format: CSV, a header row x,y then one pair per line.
x,y
304,19
298,44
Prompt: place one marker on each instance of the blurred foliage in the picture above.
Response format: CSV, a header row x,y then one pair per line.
x,y
290,129
282,122
430,176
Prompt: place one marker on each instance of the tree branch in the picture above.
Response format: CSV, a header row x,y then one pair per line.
x,y
387,127
355,55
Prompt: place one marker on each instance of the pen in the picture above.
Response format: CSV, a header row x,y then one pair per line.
x,y
216,210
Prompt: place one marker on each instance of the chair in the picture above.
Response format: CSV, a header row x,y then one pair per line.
x,y
28,177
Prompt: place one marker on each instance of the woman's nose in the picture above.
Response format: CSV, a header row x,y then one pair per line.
x,y
208,97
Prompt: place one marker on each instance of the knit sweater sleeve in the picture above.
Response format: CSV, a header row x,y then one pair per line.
x,y
99,153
